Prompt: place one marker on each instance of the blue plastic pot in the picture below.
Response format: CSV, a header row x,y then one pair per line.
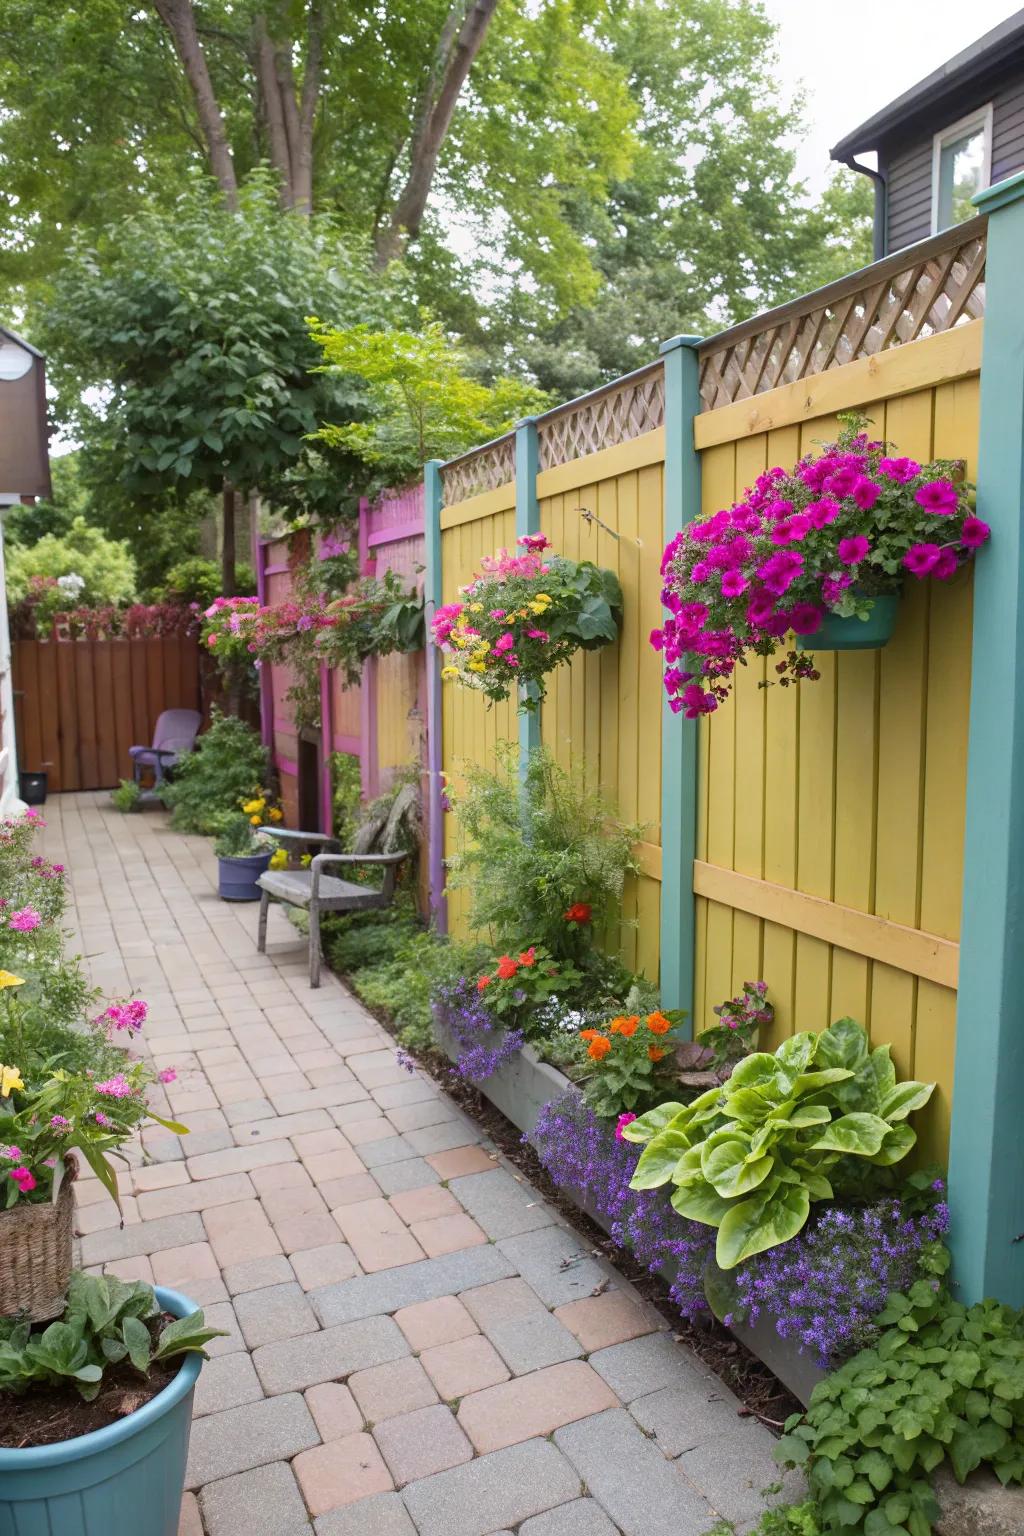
x,y
868,634
125,1480
236,878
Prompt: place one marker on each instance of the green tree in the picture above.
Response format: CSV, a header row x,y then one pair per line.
x,y
104,566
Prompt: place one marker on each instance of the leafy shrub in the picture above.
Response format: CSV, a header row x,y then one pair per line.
x,y
197,580
750,1157
106,568
126,796
227,766
790,1520
346,795
531,855
944,1380
106,1322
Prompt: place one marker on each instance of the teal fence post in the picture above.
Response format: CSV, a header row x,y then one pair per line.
x,y
527,521
986,1155
432,597
678,735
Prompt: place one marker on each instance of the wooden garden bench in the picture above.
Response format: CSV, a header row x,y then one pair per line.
x,y
318,892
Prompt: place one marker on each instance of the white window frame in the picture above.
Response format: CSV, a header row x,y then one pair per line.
x,y
981,117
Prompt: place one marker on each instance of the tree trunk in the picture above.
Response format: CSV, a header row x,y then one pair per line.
x,y
227,545
273,108
302,179
448,75
179,18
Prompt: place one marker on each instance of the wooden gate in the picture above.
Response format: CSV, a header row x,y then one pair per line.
x,y
80,704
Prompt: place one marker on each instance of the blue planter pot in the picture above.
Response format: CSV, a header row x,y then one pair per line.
x,y
125,1480
868,634
236,878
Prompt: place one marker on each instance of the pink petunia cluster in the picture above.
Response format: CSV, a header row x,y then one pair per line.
x,y
130,1016
827,536
24,920
116,1087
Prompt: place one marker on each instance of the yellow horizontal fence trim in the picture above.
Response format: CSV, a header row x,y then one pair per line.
x,y
860,933
900,370
634,453
501,499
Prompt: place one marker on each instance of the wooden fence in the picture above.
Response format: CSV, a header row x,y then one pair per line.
x,y
80,704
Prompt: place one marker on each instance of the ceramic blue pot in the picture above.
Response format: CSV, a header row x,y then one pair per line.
x,y
868,634
236,878
125,1480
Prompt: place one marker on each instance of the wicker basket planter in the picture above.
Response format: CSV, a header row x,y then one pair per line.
x,y
35,1254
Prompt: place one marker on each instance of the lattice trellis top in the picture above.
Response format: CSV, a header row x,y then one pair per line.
x,y
625,409
929,287
484,469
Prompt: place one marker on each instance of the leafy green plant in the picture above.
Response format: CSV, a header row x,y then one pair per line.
x,y
631,1058
544,861
106,1322
751,1156
346,794
517,987
378,615
104,566
225,768
944,1381
126,796
198,580
239,839
790,1520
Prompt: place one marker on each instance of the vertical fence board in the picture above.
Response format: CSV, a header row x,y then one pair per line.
x,y
70,759
106,729
85,702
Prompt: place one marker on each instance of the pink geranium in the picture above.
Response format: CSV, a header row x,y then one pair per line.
x,y
24,920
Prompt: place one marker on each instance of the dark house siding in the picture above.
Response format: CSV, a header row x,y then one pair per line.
x,y
1008,130
909,183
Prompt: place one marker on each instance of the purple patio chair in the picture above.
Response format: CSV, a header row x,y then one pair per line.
x,y
175,733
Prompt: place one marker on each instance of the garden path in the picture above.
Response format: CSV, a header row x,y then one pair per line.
x,y
416,1344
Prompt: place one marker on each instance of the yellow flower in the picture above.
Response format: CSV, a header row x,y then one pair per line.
x,y
539,607
476,607
8,979
510,619
477,666
275,814
255,821
278,860
306,860
250,807
461,641
449,671
10,1078
542,597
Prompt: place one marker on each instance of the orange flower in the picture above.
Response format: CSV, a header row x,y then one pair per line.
x,y
658,1024
599,1048
507,967
624,1026
590,1034
655,1052
484,981
528,956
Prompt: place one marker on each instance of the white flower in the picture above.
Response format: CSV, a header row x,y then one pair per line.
x,y
71,585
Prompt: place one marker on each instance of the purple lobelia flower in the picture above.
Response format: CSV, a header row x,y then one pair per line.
x,y
484,1044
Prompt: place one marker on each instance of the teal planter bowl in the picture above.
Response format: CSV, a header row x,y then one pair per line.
x,y
868,634
125,1480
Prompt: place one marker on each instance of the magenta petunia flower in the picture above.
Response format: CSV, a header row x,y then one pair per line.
x,y
851,551
865,493
24,920
168,1075
974,533
937,496
24,1179
790,529
900,470
945,565
805,618
621,1123
734,583
823,511
920,558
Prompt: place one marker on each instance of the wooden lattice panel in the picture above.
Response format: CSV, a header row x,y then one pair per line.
x,y
629,408
484,470
930,287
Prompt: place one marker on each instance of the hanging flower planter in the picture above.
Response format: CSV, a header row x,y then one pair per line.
x,y
522,618
820,551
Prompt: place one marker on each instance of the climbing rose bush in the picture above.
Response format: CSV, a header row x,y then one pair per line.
x,y
524,615
828,536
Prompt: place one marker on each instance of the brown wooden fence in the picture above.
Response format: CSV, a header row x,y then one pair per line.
x,y
80,704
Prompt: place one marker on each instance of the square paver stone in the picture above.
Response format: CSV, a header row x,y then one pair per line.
x,y
643,1365
226,1383
265,1499
493,1491
341,1473
334,1409
556,1264
420,1443
256,1434
275,1312
583,1517
383,1514
428,1324
599,1321
465,1365
531,1342
501,1204
388,1390
533,1405
411,1173
733,1471
644,1494
682,1418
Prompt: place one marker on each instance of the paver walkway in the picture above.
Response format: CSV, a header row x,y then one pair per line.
x,y
417,1345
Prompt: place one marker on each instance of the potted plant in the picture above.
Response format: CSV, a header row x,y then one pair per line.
x,y
95,1410
522,617
40,1127
243,852
820,550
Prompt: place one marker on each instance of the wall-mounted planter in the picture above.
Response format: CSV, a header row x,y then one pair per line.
x,y
236,878
870,634
520,1088
125,1480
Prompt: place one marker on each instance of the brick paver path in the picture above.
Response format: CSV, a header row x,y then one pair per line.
x,y
417,1345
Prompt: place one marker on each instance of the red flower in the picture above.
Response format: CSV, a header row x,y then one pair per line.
x,y
579,912
528,956
507,967
484,981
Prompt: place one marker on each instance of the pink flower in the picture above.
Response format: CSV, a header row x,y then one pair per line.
x,y
823,511
101,1118
12,1154
805,618
780,571
60,1123
901,470
842,482
734,583
700,571
24,920
211,640
920,558
24,1180
865,493
534,542
833,587
791,528
498,613
760,608
168,1075
117,1087
974,533
538,634
937,496
621,1123
853,550
504,643
945,565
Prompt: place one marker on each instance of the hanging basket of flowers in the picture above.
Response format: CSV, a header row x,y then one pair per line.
x,y
821,550
522,617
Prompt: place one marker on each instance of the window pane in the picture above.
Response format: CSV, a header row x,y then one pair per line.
x,y
960,177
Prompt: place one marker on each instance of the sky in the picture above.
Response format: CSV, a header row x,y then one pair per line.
x,y
854,56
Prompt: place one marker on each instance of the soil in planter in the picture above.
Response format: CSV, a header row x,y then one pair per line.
x,y
50,1415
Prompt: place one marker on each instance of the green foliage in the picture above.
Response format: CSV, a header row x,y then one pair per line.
x,y
239,839
423,403
516,989
227,766
346,795
106,1322
29,524
529,853
944,1382
790,1520
104,565
126,796
197,580
750,1157
376,617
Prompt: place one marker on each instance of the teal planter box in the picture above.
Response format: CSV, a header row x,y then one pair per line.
x,y
125,1480
868,634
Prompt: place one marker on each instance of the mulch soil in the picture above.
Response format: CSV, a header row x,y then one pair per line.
x,y
50,1415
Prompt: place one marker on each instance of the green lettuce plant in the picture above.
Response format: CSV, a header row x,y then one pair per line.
x,y
751,1156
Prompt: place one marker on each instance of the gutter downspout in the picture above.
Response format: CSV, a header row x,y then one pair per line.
x,y
880,233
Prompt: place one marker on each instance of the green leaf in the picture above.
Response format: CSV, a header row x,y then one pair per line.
x,y
655,1120
185,1334
724,1164
904,1098
859,1134
700,1202
895,1146
657,1162
771,1216
137,1342
876,1468
790,1451
843,1044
